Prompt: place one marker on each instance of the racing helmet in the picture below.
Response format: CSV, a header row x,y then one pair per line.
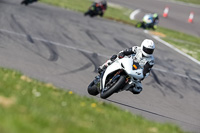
x,y
147,47
148,18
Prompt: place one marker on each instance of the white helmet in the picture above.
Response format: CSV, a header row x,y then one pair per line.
x,y
148,18
147,47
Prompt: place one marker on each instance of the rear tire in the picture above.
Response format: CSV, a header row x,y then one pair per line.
x,y
114,88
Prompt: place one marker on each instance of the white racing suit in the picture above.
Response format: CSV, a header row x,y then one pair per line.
x,y
145,62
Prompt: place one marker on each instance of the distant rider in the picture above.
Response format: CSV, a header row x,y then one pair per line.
x,y
155,20
150,21
99,5
142,55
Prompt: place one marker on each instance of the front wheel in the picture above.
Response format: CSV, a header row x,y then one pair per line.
x,y
138,25
113,88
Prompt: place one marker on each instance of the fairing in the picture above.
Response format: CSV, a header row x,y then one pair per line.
x,y
126,64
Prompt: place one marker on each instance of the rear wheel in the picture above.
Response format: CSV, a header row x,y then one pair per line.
x,y
112,87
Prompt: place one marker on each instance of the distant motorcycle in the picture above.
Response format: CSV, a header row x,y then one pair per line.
x,y
148,22
123,74
27,2
97,9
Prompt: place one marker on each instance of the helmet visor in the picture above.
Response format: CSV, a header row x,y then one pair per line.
x,y
147,50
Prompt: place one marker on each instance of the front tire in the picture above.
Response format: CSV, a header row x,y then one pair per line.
x,y
114,88
138,25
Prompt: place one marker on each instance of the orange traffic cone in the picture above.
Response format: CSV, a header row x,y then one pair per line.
x,y
191,17
165,13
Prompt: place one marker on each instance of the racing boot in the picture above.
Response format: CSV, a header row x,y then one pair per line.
x,y
137,88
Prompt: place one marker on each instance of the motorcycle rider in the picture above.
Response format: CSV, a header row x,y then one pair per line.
x,y
150,21
147,21
99,5
142,55
155,20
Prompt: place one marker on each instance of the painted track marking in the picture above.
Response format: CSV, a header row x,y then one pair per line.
x,y
172,47
90,52
134,13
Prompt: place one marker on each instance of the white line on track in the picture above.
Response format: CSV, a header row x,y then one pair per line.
x,y
90,52
134,13
172,47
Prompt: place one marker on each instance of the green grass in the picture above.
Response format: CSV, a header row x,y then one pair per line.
x,y
189,44
77,5
30,106
114,13
191,1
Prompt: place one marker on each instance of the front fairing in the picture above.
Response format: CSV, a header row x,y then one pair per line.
x,y
113,67
125,64
132,69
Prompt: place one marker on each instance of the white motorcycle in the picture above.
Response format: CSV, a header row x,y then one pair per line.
x,y
122,74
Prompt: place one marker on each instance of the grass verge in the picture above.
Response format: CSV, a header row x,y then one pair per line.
x,y
30,106
190,1
187,43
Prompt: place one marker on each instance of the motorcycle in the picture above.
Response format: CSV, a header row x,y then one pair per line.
x,y
148,22
123,74
27,2
95,10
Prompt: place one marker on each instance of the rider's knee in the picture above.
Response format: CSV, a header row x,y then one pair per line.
x,y
137,90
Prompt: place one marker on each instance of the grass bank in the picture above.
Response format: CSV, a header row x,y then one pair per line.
x,y
30,106
187,43
190,1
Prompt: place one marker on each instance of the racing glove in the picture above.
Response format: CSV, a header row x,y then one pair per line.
x,y
121,55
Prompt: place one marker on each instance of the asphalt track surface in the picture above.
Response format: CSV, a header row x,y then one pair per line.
x,y
65,48
177,16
